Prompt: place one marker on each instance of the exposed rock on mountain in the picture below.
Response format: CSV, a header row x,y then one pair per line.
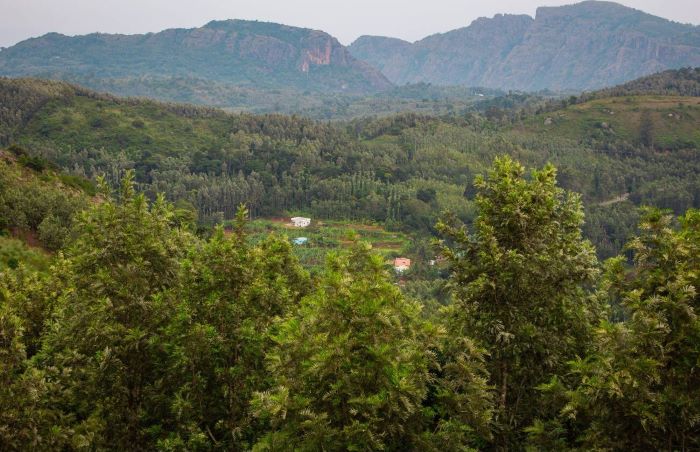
x,y
254,54
583,46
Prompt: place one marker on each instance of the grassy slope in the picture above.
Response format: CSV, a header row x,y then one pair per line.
x,y
16,251
676,120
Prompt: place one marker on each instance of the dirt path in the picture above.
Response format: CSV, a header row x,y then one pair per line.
x,y
615,200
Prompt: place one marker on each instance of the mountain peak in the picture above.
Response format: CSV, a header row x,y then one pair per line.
x,y
584,7
242,52
585,45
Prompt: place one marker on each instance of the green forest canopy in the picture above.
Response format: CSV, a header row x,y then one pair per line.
x,y
145,336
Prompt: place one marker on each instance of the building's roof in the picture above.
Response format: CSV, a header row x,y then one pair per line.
x,y
300,218
402,262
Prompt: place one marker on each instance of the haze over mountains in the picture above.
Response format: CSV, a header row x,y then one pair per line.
x,y
578,47
245,53
583,46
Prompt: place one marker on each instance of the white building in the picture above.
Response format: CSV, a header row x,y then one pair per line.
x,y
301,222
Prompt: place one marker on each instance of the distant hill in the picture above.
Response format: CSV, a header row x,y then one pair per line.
x,y
673,121
584,46
240,53
684,82
674,82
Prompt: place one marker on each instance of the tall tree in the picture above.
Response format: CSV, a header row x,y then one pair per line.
x,y
518,280
232,292
351,367
639,389
646,129
104,346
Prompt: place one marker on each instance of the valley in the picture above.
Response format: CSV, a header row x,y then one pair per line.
x,y
247,236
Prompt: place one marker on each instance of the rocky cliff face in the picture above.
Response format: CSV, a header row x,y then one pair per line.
x,y
583,46
249,53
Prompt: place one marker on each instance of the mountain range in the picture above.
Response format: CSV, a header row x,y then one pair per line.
x,y
231,63
583,46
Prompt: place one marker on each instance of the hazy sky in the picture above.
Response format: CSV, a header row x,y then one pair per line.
x,y
347,19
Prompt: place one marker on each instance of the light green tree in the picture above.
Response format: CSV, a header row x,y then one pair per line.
x,y
640,387
518,280
232,291
351,366
104,346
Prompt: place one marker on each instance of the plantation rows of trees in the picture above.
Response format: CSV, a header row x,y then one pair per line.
x,y
144,336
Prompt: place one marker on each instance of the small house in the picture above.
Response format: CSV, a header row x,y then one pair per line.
x,y
301,222
401,264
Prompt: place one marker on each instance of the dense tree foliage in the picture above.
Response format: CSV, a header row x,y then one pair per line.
x,y
104,344
519,282
639,386
351,366
230,295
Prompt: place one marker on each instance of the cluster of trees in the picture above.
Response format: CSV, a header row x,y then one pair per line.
x,y
34,206
144,336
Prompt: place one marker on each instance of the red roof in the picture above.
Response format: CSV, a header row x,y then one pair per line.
x,y
402,262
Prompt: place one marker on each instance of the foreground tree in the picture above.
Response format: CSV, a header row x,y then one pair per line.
x,y
104,348
27,419
351,367
640,387
232,292
461,401
518,280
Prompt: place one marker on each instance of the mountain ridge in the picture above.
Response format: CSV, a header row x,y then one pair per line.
x,y
579,47
249,53
582,46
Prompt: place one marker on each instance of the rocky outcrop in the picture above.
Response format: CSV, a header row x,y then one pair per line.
x,y
254,54
583,46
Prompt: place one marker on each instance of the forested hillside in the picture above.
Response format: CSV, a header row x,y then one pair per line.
x,y
37,208
680,82
419,98
401,171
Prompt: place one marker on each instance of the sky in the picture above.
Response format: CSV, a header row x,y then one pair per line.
x,y
346,20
